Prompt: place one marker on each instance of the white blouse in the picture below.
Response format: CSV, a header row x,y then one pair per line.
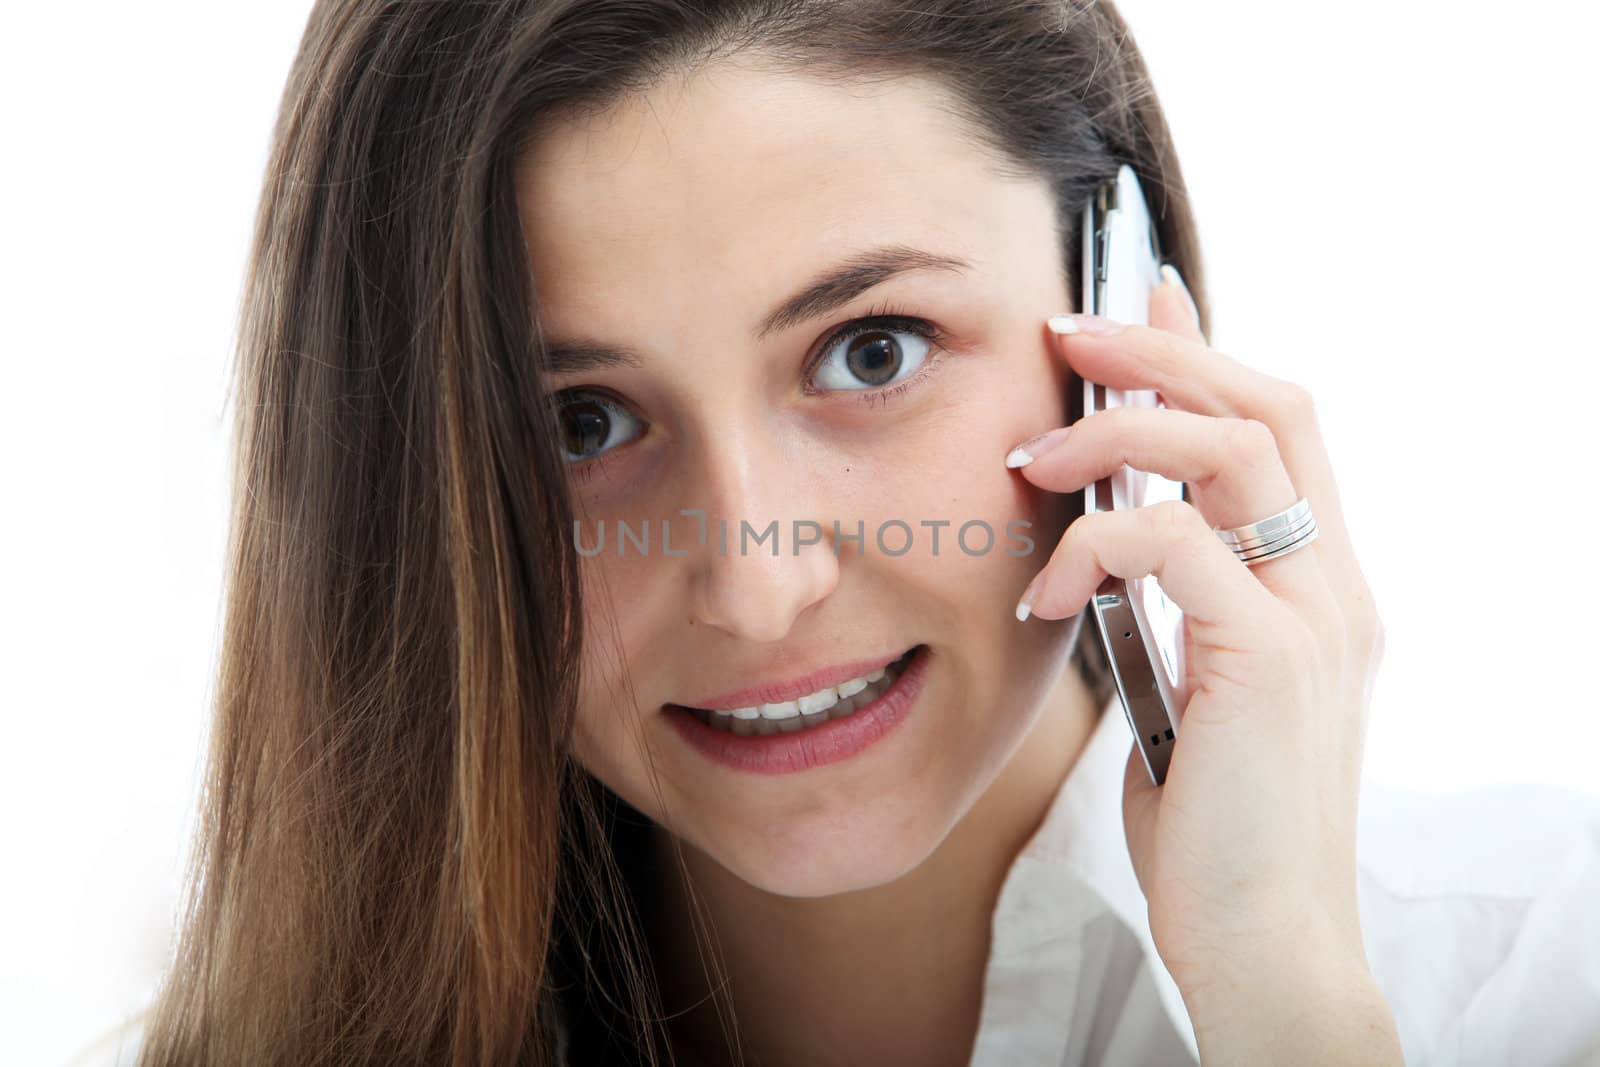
x,y
1480,913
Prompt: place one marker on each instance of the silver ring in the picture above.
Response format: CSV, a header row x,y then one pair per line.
x,y
1276,535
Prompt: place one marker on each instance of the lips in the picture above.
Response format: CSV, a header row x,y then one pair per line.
x,y
795,688
813,746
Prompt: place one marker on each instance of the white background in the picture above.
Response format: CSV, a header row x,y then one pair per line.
x,y
1398,209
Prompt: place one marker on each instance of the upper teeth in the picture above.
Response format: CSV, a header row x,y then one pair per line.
x,y
811,703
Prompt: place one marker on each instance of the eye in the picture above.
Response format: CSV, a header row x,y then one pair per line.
x,y
592,424
870,353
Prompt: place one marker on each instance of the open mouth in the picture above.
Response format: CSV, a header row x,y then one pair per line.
x,y
812,710
775,739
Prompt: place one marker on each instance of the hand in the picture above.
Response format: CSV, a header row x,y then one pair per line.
x,y
1247,854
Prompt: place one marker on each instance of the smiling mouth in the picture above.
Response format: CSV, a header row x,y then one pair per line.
x,y
825,705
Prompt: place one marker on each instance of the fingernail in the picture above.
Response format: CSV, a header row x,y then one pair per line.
x,y
1083,323
1025,605
1170,273
1034,447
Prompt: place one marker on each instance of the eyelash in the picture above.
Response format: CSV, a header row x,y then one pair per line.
x,y
881,317
589,467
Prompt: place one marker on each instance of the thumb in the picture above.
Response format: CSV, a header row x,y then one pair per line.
x,y
1140,802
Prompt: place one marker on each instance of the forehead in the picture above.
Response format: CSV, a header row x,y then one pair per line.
x,y
740,177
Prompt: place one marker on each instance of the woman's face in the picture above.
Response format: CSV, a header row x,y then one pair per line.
x,y
673,227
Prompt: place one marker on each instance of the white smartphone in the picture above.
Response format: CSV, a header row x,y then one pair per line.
x,y
1139,628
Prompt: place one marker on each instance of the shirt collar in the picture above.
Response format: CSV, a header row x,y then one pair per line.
x,y
1080,845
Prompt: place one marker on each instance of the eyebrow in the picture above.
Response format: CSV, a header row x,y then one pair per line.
x,y
832,289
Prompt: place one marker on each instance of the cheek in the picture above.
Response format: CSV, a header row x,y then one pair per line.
x,y
948,465
613,701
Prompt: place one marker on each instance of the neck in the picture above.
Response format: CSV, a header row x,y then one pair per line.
x,y
894,973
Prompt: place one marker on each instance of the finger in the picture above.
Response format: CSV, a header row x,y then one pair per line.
x,y
1171,307
1340,566
1188,373
1233,468
1171,541
1191,376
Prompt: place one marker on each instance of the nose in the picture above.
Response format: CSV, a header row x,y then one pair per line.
x,y
762,498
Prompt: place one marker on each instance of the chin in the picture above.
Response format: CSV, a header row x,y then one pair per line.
x,y
824,855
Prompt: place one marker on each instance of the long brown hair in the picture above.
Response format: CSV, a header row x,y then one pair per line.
x,y
399,862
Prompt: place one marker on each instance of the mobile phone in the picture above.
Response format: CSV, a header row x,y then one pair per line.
x,y
1139,628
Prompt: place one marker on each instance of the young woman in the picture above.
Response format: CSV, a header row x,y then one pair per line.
x,y
497,779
